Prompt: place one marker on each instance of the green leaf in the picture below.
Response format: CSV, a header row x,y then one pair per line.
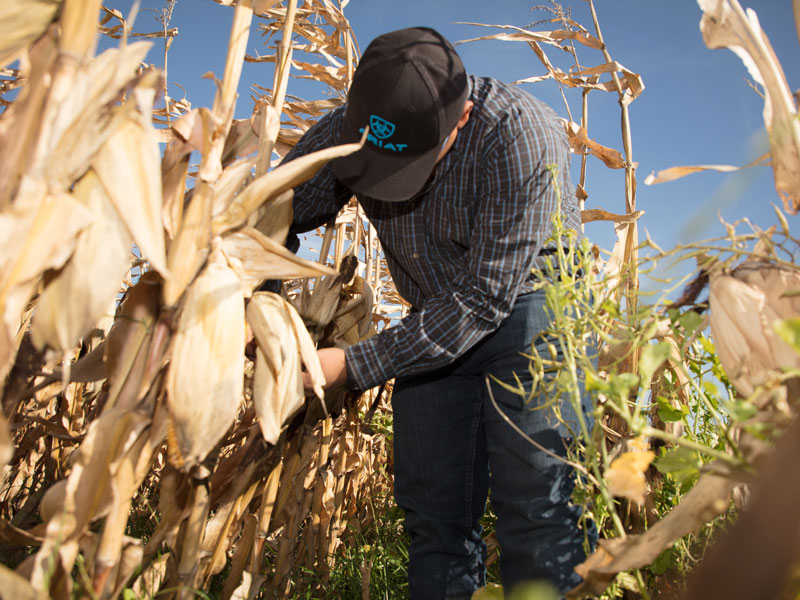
x,y
593,382
690,321
679,463
620,385
711,389
665,561
741,411
789,331
708,346
492,591
667,412
652,357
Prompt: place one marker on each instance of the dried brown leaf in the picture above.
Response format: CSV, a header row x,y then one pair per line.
x,y
596,214
708,498
274,183
726,25
580,143
255,258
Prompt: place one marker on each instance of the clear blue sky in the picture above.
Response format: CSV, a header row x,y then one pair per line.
x,y
697,107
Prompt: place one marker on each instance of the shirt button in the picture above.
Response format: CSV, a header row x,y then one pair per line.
x,y
415,255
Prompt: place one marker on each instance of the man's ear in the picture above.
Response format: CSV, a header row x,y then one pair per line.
x,y
465,114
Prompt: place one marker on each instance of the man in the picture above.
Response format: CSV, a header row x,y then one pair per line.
x,y
457,176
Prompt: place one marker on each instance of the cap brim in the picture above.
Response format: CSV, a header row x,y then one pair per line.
x,y
381,175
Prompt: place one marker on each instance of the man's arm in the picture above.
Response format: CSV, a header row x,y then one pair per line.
x,y
320,198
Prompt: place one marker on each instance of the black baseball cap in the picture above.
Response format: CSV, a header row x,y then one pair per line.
x,y
409,89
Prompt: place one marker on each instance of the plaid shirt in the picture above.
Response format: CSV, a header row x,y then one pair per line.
x,y
461,250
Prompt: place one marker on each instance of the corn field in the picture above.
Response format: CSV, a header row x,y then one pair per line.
x,y
155,436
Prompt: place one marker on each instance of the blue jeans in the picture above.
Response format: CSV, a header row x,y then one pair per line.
x,y
451,446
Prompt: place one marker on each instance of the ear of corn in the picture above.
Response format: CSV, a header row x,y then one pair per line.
x,y
205,378
745,305
85,288
278,384
37,233
128,164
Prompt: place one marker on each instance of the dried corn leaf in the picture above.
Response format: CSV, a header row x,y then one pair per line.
x,y
174,168
191,246
21,23
625,475
255,258
230,182
548,37
673,173
85,288
726,25
6,445
580,143
277,218
596,214
274,183
205,378
708,498
79,26
278,383
129,165
70,506
631,82
126,347
130,561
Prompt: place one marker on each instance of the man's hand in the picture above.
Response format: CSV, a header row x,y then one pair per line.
x,y
334,368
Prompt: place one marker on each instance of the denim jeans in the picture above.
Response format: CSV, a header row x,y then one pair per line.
x,y
451,447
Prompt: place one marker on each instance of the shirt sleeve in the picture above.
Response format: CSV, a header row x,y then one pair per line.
x,y
319,199
518,197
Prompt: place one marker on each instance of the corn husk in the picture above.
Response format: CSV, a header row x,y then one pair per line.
x,y
274,183
281,342
81,112
85,288
205,378
745,305
37,233
129,164
255,257
22,22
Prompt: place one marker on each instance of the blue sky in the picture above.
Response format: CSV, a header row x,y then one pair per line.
x,y
697,107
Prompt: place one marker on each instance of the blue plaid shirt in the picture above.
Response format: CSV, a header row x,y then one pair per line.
x,y
460,251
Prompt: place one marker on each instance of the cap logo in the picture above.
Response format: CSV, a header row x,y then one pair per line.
x,y
379,130
381,127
